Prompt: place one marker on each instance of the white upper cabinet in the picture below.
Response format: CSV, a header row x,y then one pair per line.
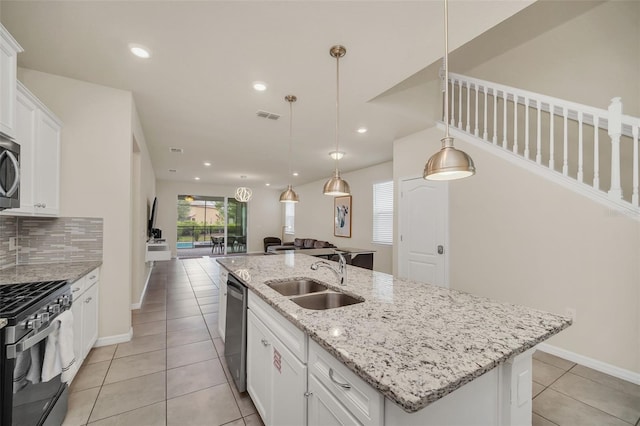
x,y
38,133
9,50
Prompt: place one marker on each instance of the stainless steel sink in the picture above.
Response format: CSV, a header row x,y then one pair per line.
x,y
329,300
297,286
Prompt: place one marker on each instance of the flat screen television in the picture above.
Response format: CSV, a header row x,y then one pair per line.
x,y
152,218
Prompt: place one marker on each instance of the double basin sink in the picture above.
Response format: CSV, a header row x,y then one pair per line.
x,y
312,294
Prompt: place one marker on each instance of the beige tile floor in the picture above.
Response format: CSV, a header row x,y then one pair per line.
x,y
173,372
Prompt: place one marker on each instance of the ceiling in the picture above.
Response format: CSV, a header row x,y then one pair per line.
x,y
195,92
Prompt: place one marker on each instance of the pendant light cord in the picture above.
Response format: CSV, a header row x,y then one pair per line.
x,y
446,69
290,136
337,110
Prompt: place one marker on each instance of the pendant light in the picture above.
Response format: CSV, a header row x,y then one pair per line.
x,y
243,193
336,186
449,163
289,195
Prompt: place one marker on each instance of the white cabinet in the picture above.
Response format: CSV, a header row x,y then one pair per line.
x,y
85,314
338,393
9,50
157,251
38,133
222,303
276,377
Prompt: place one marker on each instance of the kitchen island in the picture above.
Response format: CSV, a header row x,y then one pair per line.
x,y
415,343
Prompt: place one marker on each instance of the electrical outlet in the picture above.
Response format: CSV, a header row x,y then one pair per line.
x,y
12,243
570,312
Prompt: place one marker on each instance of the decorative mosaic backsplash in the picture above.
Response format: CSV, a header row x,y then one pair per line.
x,y
47,240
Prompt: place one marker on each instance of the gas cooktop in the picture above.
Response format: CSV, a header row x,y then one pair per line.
x,y
16,298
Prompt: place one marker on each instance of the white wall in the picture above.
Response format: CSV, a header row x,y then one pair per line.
x,y
263,219
519,238
95,178
314,213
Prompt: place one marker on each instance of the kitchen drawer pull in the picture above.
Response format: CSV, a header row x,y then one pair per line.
x,y
75,289
92,277
88,299
342,385
265,342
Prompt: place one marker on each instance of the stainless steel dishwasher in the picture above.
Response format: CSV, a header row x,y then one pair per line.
x,y
235,346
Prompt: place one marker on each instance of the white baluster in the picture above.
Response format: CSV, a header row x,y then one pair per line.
x,y
468,129
495,116
526,128
475,130
504,120
552,141
452,108
634,195
565,146
538,135
515,123
615,131
596,152
485,134
460,105
580,168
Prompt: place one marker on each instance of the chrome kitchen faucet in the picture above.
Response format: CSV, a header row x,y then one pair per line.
x,y
341,271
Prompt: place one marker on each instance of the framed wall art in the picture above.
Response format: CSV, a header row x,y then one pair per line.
x,y
342,216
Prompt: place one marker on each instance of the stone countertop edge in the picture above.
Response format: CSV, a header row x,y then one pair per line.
x,y
386,341
71,272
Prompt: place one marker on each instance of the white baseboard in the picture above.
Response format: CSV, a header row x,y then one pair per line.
x,y
138,305
112,340
600,366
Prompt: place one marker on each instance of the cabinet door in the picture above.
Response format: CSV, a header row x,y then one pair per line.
x,y
324,408
8,70
89,319
288,385
258,356
47,166
222,307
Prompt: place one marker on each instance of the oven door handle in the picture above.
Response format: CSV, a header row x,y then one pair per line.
x,y
14,350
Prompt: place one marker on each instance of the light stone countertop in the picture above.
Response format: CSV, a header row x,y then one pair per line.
x,y
413,342
46,272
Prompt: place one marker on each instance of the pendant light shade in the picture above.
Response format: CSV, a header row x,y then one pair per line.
x,y
448,163
289,195
243,194
336,186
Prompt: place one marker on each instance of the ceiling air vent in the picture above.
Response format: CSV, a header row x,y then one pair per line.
x,y
176,150
269,115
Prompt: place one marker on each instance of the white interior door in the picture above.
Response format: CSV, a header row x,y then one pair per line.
x,y
424,231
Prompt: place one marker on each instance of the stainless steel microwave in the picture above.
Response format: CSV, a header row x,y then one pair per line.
x,y
9,174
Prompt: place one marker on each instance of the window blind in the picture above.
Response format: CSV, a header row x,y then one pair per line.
x,y
383,213
289,218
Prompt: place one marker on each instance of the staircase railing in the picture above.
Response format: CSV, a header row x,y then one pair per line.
x,y
596,148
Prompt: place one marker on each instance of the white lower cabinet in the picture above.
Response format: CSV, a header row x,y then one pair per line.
x,y
276,377
85,314
222,303
325,409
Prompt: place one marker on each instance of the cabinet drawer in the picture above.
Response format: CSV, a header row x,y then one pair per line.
x,y
78,287
362,400
92,277
292,337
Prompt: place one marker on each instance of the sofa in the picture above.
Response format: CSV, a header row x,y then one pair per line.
x,y
301,244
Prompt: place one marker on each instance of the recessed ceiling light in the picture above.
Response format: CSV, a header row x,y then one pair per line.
x,y
196,178
140,51
260,86
206,163
336,155
296,173
267,184
362,130
172,170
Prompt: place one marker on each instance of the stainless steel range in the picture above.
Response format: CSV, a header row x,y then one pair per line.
x,y
30,309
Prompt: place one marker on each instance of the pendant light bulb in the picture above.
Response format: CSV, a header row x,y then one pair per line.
x,y
336,186
449,163
289,195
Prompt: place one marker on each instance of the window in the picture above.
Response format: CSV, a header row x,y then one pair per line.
x,y
289,217
383,213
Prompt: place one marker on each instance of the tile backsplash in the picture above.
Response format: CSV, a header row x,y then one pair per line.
x,y
50,240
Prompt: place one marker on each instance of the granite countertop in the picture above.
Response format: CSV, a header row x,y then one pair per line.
x,y
46,272
414,342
